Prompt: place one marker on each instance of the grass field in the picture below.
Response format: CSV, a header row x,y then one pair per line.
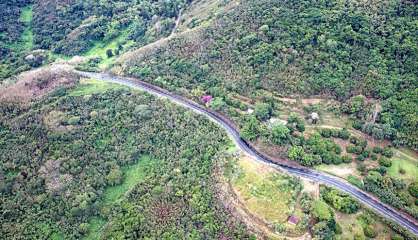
x,y
25,42
265,193
93,86
410,167
99,49
132,175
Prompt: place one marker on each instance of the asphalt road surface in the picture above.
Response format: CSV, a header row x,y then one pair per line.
x,y
368,200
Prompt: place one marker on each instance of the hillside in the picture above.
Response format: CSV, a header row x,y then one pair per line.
x,y
334,50
328,88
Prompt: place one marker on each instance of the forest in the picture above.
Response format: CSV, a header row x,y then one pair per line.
x,y
77,26
338,49
60,155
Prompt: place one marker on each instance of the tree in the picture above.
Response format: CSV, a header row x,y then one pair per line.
x,y
296,153
109,53
413,189
217,104
250,130
321,211
115,176
263,111
385,162
280,134
369,231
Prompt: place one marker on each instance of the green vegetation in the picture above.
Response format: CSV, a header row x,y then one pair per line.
x,y
16,37
93,86
85,173
269,195
132,175
335,49
404,169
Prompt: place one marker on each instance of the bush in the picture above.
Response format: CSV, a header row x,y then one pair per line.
x,y
357,125
73,120
396,237
280,134
321,211
413,189
355,181
263,111
344,134
346,159
109,53
385,162
369,231
377,149
360,158
326,132
387,152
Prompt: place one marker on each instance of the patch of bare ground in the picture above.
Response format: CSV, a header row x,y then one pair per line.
x,y
36,83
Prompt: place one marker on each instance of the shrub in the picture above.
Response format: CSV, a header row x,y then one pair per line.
x,y
373,156
109,53
377,149
355,181
387,152
280,134
396,237
385,162
73,120
326,132
263,111
350,149
360,158
344,134
413,189
369,231
321,211
346,159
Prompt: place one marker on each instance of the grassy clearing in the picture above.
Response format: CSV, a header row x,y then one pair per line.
x,y
26,40
132,175
410,168
93,86
99,49
264,192
95,225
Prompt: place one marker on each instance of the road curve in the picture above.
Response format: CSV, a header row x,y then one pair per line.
x,y
383,209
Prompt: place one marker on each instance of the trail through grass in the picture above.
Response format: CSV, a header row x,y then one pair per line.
x,y
133,175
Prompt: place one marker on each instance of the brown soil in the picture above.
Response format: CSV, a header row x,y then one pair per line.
x,y
36,83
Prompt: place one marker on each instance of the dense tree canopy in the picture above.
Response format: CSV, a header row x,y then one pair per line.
x,y
59,156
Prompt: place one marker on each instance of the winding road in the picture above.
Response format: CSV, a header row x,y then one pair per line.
x,y
368,200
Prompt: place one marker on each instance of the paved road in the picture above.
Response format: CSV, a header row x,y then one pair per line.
x,y
365,198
